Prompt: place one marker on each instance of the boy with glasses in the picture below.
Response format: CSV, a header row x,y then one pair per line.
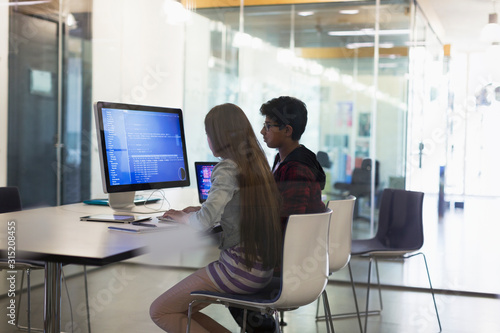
x,y
296,170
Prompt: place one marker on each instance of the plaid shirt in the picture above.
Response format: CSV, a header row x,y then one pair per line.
x,y
300,190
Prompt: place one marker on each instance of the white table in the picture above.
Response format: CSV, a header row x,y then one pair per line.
x,y
57,236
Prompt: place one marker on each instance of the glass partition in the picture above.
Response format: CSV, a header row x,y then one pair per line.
x,y
192,57
428,91
324,55
49,98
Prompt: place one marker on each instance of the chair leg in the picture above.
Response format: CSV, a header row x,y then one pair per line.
x,y
368,312
350,314
317,310
355,298
19,298
28,311
86,295
432,290
277,321
28,306
379,287
28,279
328,314
368,292
282,319
245,317
190,310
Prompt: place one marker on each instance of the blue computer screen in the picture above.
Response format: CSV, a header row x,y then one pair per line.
x,y
203,178
142,147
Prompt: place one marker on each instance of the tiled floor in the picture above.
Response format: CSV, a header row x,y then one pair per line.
x,y
460,249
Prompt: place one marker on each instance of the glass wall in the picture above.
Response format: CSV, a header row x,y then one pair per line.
x,y
195,56
473,117
49,74
428,104
323,54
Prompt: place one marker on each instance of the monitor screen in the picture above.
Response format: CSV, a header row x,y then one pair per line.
x,y
203,178
141,147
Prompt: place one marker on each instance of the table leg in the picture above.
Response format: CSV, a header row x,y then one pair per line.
x,y
52,308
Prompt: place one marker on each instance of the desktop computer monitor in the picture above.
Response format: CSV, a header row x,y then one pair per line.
x,y
140,148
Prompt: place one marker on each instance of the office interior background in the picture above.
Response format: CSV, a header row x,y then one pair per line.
x,y
404,99
402,96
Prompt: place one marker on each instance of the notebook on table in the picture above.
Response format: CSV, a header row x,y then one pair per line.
x,y
143,227
115,218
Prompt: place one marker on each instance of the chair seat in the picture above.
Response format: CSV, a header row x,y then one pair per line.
x,y
267,296
375,247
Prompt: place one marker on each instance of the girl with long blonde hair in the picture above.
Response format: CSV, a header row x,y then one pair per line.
x,y
245,201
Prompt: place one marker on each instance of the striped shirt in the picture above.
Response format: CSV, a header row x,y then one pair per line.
x,y
231,275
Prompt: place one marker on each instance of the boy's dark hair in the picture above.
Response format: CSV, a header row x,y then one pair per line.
x,y
286,110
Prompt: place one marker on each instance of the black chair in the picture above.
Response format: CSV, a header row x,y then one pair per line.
x,y
360,185
10,201
399,236
324,159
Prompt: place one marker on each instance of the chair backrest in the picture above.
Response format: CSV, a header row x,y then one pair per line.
x,y
10,200
305,259
324,159
339,251
400,224
363,174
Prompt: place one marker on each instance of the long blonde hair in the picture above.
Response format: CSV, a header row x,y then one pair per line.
x,y
232,137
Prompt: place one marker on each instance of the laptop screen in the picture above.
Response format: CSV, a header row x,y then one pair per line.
x,y
203,174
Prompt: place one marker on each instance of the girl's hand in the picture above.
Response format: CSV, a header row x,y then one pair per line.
x,y
176,215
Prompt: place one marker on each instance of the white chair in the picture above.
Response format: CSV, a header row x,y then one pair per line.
x,y
339,248
304,272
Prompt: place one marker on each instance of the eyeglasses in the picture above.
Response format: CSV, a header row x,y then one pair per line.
x,y
268,126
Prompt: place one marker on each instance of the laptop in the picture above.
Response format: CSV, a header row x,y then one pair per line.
x,y
203,173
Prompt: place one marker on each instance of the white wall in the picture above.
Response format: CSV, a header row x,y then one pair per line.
x,y
264,75
478,123
138,58
4,52
197,89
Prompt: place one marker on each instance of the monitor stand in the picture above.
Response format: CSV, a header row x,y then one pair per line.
x,y
123,201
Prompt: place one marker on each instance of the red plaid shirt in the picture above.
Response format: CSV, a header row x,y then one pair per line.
x,y
300,191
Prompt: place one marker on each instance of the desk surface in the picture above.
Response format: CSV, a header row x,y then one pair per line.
x,y
56,234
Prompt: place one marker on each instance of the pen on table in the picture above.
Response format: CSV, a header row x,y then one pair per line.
x,y
144,224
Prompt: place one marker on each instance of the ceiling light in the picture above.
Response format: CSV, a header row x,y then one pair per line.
x,y
242,39
27,3
369,44
369,32
349,11
176,13
491,32
305,13
388,65
71,21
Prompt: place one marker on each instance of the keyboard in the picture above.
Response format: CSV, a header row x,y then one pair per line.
x,y
165,219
